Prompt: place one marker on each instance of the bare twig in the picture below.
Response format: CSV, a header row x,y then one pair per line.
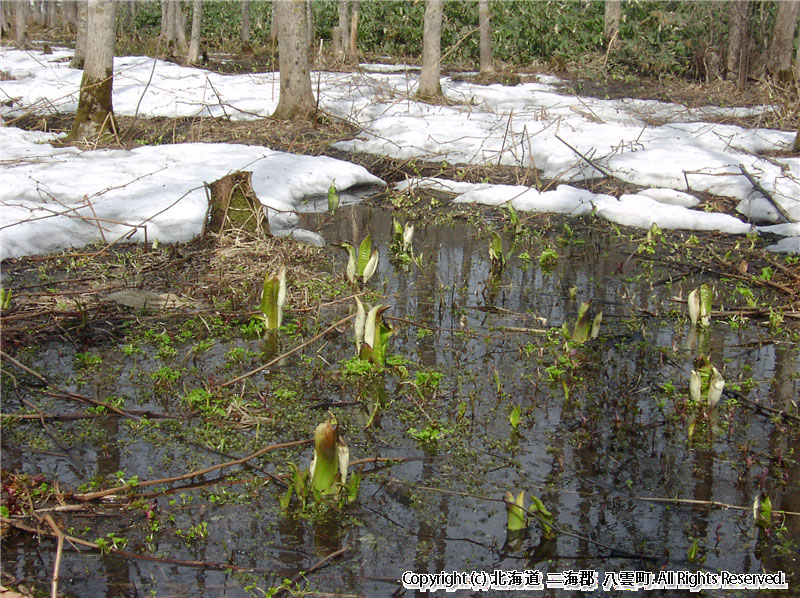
x,y
758,187
109,491
290,352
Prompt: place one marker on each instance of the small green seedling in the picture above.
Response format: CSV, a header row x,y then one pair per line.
x,y
544,516
361,265
333,198
762,511
5,298
514,418
273,298
497,257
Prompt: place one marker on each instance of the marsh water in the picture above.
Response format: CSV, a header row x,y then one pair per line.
x,y
633,474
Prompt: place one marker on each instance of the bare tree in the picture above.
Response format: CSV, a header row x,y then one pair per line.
x,y
95,108
20,23
343,40
273,23
80,36
779,59
69,15
5,19
311,28
613,16
739,29
484,25
246,26
429,85
296,98
796,147
180,27
354,29
194,45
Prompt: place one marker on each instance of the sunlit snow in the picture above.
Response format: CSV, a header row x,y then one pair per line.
x,y
666,147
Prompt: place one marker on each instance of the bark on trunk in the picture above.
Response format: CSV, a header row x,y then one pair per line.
x,y
429,85
193,56
273,23
80,37
739,25
5,19
779,62
20,24
310,33
354,30
246,26
69,15
180,28
296,98
484,25
168,26
613,16
344,27
95,108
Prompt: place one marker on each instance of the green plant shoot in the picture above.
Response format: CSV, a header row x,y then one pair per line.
x,y
333,198
699,303
273,298
361,264
515,509
497,257
514,417
706,384
585,327
329,466
545,517
372,333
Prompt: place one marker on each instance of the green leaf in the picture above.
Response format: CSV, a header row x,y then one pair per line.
x,y
273,298
545,516
514,417
364,254
324,469
333,198
515,509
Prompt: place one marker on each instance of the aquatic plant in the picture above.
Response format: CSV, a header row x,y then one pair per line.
x,y
517,517
706,383
333,198
585,327
362,264
762,511
497,257
402,236
331,457
273,298
372,333
699,302
5,298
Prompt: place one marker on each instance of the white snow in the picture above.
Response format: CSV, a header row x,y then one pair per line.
x,y
669,149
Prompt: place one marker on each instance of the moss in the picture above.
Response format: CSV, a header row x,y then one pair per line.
x,y
95,109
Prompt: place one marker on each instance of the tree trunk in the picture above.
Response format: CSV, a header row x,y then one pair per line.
x,y
613,16
168,26
779,60
180,28
164,6
344,27
197,20
296,98
246,26
310,36
429,85
273,23
797,141
69,15
797,57
484,25
354,29
739,27
95,108
20,24
80,37
130,15
5,19
51,22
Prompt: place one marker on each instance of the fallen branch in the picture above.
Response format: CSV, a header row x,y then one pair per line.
x,y
588,161
192,474
758,187
290,352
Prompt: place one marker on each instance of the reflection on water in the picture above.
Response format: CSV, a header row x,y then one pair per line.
x,y
592,457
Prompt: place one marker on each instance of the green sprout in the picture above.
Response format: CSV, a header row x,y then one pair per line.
x,y
273,298
362,264
333,198
372,333
699,301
